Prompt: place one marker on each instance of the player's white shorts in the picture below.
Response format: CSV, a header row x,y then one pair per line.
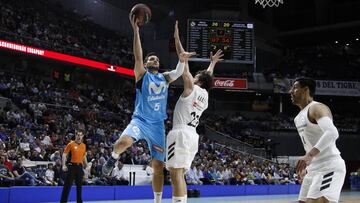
x,y
324,179
181,147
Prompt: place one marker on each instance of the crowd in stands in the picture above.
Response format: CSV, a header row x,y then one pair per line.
x,y
324,62
49,26
249,129
40,117
242,128
44,118
215,164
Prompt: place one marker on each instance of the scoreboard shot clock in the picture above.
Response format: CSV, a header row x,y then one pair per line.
x,y
236,39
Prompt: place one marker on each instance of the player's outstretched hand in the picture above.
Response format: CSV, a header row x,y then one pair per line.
x,y
184,56
134,22
217,57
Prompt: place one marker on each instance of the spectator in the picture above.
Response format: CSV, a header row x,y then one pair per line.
x,y
59,176
191,177
118,175
6,176
50,175
55,156
22,174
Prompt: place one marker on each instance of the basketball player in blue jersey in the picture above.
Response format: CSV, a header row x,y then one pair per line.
x,y
150,110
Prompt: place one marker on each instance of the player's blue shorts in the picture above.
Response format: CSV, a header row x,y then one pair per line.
x,y
153,133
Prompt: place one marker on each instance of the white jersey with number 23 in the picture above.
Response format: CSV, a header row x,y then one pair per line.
x,y
189,109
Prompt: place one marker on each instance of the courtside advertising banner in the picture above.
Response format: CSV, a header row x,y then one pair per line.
x,y
230,83
64,57
323,87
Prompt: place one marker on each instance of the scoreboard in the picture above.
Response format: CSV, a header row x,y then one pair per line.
x,y
235,39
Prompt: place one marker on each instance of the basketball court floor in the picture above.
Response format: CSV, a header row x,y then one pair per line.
x,y
346,197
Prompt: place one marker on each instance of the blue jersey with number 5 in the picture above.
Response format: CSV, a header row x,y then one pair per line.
x,y
151,97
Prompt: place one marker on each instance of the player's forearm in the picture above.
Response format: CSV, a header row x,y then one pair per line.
x,y
137,49
211,67
178,46
186,74
326,139
64,159
85,162
313,152
178,71
188,80
330,133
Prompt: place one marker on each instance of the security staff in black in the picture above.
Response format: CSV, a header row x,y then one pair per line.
x,y
74,169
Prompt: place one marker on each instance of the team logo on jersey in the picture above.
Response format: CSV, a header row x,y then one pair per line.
x,y
157,89
136,130
201,99
158,148
199,103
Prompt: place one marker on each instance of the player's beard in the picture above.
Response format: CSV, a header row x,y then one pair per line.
x,y
152,68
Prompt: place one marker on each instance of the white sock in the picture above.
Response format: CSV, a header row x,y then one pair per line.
x,y
179,199
115,155
157,197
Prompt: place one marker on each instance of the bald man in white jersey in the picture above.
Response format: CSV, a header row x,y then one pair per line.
x,y
182,140
322,170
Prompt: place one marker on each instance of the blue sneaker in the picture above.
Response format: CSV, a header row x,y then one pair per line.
x,y
109,166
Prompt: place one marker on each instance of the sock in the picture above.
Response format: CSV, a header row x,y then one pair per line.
x,y
115,155
157,197
179,199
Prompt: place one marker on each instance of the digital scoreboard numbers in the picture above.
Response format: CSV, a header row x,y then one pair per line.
x,y
236,39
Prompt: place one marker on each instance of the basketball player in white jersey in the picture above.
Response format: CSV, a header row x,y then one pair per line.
x,y
321,170
182,140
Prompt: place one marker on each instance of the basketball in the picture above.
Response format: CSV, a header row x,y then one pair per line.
x,y
142,12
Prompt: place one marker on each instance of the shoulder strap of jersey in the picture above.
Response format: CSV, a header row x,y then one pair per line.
x,y
139,83
190,95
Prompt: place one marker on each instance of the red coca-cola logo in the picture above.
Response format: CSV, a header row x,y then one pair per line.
x,y
230,83
224,83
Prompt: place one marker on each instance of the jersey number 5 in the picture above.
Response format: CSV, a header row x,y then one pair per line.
x,y
157,106
195,120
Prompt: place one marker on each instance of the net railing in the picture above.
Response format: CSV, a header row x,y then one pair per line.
x,y
234,143
269,3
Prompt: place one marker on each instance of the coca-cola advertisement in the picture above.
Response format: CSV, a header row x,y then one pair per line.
x,y
230,83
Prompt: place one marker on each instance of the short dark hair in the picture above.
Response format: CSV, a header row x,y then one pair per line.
x,y
307,82
80,131
206,79
148,55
